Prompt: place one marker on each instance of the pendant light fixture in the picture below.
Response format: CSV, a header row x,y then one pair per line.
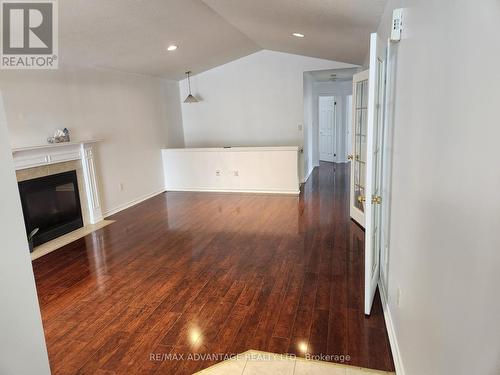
x,y
190,98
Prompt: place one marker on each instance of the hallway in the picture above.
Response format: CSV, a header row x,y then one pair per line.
x,y
214,273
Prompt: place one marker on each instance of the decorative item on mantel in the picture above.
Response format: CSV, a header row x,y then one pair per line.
x,y
59,136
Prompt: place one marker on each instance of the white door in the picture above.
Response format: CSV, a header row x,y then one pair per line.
x,y
327,119
374,155
358,145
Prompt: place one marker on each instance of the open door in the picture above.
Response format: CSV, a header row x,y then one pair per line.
x,y
374,155
358,141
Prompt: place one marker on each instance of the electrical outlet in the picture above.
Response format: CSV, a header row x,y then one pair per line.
x,y
236,173
120,186
217,173
398,297
300,127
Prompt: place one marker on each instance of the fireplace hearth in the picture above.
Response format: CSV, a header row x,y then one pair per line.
x,y
52,204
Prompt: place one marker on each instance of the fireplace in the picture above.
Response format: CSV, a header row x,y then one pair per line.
x,y
52,204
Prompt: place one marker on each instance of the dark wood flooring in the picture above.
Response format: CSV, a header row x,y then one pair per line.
x,y
213,273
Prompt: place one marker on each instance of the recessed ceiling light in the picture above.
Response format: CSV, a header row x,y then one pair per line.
x,y
298,35
171,47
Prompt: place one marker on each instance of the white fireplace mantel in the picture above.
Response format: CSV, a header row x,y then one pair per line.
x,y
52,153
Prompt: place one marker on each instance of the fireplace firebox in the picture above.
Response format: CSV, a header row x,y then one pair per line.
x,y
51,204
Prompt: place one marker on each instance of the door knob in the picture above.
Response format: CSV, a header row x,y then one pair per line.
x,y
350,157
376,199
361,199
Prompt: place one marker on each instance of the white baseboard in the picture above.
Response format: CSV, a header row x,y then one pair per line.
x,y
131,203
246,191
393,340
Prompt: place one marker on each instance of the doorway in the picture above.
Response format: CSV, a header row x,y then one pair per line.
x,y
322,89
327,120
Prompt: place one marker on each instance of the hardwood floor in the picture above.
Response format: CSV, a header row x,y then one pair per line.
x,y
213,273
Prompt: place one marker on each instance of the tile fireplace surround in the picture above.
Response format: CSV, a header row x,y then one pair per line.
x,y
49,159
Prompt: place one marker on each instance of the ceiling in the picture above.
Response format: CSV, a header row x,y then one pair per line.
x,y
132,35
334,29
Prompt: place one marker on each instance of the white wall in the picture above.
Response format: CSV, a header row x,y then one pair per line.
x,y
308,125
172,120
253,101
135,115
22,344
444,244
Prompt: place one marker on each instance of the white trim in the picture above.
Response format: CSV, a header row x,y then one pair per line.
x,y
393,340
132,203
53,153
91,183
283,192
16,150
236,149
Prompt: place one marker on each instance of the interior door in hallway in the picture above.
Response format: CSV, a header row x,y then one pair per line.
x,y
327,121
358,142
374,172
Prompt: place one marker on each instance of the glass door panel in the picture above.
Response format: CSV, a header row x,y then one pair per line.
x,y
359,159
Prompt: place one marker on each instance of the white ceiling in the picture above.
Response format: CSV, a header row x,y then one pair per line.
x,y
132,35
334,29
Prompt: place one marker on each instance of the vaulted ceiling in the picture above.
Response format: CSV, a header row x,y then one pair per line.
x,y
132,35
